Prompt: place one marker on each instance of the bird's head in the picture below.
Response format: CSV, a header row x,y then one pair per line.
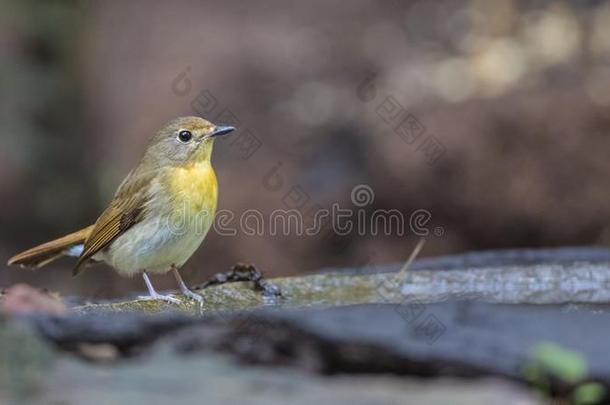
x,y
184,140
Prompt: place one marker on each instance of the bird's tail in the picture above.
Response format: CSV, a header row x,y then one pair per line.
x,y
39,256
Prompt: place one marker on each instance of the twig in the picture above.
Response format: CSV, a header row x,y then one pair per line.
x,y
405,267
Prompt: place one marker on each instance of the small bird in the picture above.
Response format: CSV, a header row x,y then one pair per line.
x,y
158,216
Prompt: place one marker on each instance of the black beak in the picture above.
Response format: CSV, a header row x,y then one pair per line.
x,y
222,130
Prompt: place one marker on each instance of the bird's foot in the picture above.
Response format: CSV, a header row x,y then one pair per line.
x,y
160,297
192,295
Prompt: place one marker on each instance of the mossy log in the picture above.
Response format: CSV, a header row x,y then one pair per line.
x,y
547,283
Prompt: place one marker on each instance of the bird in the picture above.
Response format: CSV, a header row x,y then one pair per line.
x,y
159,215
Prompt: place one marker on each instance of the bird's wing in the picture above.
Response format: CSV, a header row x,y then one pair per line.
x,y
126,209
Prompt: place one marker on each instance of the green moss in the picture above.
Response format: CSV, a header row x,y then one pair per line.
x,y
320,289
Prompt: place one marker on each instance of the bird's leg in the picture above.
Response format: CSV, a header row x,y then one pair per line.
x,y
154,295
183,288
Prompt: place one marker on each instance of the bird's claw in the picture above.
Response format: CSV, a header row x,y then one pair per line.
x,y
160,297
192,295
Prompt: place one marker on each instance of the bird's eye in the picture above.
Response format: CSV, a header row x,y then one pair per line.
x,y
185,136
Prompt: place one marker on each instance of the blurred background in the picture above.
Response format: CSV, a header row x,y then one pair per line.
x,y
492,116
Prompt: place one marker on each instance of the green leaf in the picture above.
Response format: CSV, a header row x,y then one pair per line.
x,y
588,393
568,365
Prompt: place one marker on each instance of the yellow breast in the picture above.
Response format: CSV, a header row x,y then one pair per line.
x,y
194,188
